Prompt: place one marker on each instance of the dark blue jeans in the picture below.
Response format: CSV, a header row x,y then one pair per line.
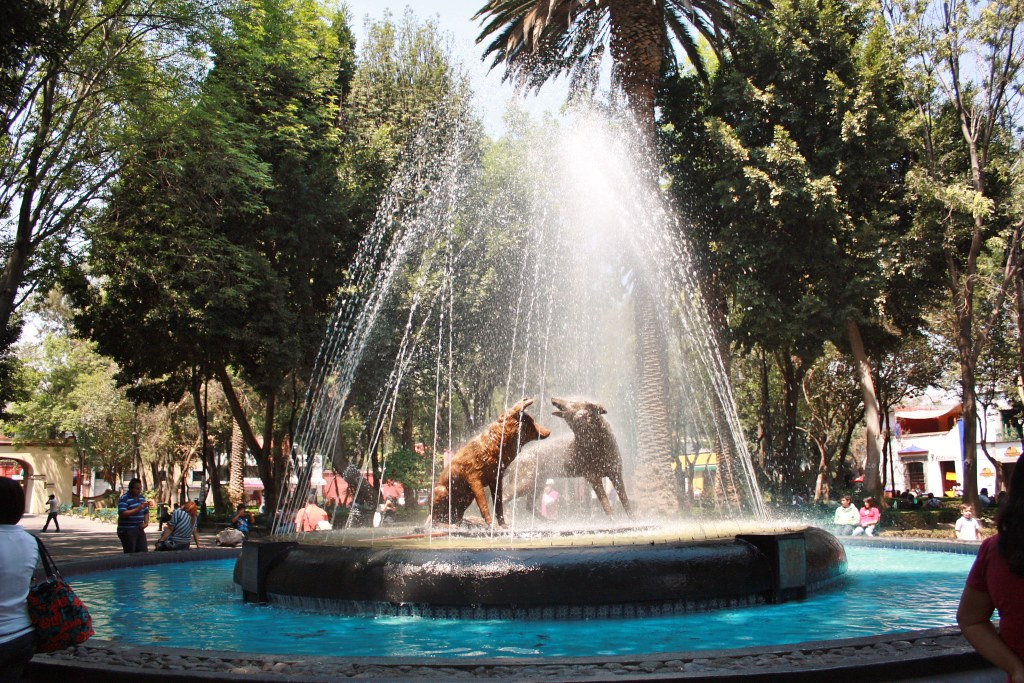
x,y
51,516
133,539
14,655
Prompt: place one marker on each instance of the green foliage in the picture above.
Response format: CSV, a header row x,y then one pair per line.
x,y
791,163
227,235
78,81
409,468
405,70
73,392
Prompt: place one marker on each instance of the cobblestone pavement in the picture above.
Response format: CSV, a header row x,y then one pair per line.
x,y
935,655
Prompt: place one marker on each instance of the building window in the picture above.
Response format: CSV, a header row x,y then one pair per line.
x,y
915,476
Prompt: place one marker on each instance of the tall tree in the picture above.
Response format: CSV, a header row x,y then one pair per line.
x,y
538,40
798,137
967,67
224,243
72,391
75,76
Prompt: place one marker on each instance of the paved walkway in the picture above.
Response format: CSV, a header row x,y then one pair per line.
x,y
81,538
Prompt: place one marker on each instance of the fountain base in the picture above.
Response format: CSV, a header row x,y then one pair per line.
x,y
552,578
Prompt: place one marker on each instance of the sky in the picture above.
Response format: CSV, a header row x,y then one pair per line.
x,y
455,18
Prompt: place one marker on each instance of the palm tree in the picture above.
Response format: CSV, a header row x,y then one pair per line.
x,y
538,40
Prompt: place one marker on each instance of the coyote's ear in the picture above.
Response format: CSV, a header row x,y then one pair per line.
x,y
521,406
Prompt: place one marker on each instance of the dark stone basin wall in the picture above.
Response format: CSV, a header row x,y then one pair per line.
x,y
578,582
826,558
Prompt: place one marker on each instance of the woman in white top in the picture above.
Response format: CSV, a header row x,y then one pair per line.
x,y
19,555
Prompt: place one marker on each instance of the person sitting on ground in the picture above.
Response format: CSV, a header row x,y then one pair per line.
x,y
242,519
967,527
308,518
847,517
983,499
996,581
932,502
180,531
869,516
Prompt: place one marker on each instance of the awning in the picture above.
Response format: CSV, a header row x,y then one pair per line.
x,y
912,450
926,413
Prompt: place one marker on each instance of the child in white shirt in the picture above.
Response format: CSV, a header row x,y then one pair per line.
x,y
967,527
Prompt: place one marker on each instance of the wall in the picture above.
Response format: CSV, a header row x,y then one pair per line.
x,y
48,467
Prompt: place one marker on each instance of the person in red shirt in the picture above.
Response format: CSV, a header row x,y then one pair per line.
x,y
996,581
307,518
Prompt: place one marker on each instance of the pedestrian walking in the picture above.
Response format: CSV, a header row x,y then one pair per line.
x,y
53,506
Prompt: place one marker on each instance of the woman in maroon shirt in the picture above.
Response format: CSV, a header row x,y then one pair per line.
x,y
996,581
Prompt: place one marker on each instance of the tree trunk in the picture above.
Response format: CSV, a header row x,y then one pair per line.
x,y
637,45
784,466
656,496
969,398
408,419
822,484
207,454
236,466
873,461
1018,291
21,250
765,426
261,452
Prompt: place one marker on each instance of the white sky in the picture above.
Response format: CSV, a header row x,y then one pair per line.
x,y
455,18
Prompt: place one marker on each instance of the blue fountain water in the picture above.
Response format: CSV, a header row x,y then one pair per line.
x,y
194,605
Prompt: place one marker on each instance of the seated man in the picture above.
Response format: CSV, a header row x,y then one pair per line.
x,y
846,518
983,498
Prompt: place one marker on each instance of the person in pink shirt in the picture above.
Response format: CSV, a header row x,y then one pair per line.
x,y
869,516
307,518
996,581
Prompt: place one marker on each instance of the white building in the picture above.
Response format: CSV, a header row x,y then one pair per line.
x,y
928,450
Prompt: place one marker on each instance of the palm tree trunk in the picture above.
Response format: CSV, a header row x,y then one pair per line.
x,y
236,476
637,47
656,493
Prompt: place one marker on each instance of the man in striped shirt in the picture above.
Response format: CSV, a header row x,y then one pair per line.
x,y
132,518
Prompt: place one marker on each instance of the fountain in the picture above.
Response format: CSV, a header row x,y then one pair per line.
x,y
553,269
624,567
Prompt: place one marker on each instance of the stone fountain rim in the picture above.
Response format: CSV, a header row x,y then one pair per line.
x,y
909,654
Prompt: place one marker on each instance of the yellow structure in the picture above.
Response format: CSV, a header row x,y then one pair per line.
x,y
42,467
704,467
